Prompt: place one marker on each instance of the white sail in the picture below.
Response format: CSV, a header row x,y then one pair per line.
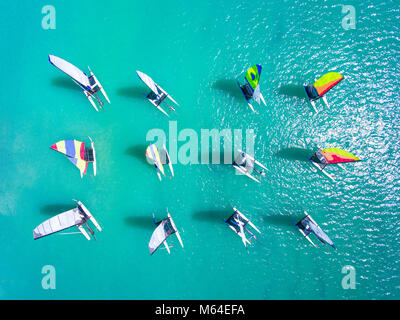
x,y
308,225
257,94
160,234
57,223
70,70
149,82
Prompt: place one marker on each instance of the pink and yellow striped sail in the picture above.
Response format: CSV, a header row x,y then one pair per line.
x,y
74,150
336,155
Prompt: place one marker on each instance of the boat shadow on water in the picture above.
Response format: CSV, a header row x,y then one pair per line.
x,y
138,92
293,90
54,209
143,222
219,157
229,86
138,151
294,154
212,215
63,82
282,220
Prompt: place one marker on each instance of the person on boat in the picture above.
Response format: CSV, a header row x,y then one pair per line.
x,y
247,91
155,221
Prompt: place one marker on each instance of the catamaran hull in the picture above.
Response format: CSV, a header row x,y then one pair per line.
x,y
83,231
262,99
241,170
166,246
103,92
94,157
153,154
91,218
244,241
158,172
306,236
176,232
169,160
158,107
90,98
168,96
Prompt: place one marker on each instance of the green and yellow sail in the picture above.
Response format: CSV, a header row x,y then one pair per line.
x,y
253,76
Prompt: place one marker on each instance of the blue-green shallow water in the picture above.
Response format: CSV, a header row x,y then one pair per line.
x,y
195,52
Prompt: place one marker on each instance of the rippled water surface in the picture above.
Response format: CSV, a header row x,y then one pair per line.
x,y
197,52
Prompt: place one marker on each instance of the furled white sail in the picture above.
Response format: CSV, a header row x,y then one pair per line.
x,y
57,223
70,70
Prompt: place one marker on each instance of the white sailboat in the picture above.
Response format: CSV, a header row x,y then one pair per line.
x,y
157,94
165,228
245,164
76,217
155,155
307,225
238,223
89,84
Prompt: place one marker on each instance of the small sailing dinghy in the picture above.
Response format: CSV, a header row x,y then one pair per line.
x,y
245,164
159,158
76,217
307,225
157,94
238,222
164,229
321,87
77,153
251,89
323,157
89,84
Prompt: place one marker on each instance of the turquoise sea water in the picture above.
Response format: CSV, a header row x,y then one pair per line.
x,y
196,52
